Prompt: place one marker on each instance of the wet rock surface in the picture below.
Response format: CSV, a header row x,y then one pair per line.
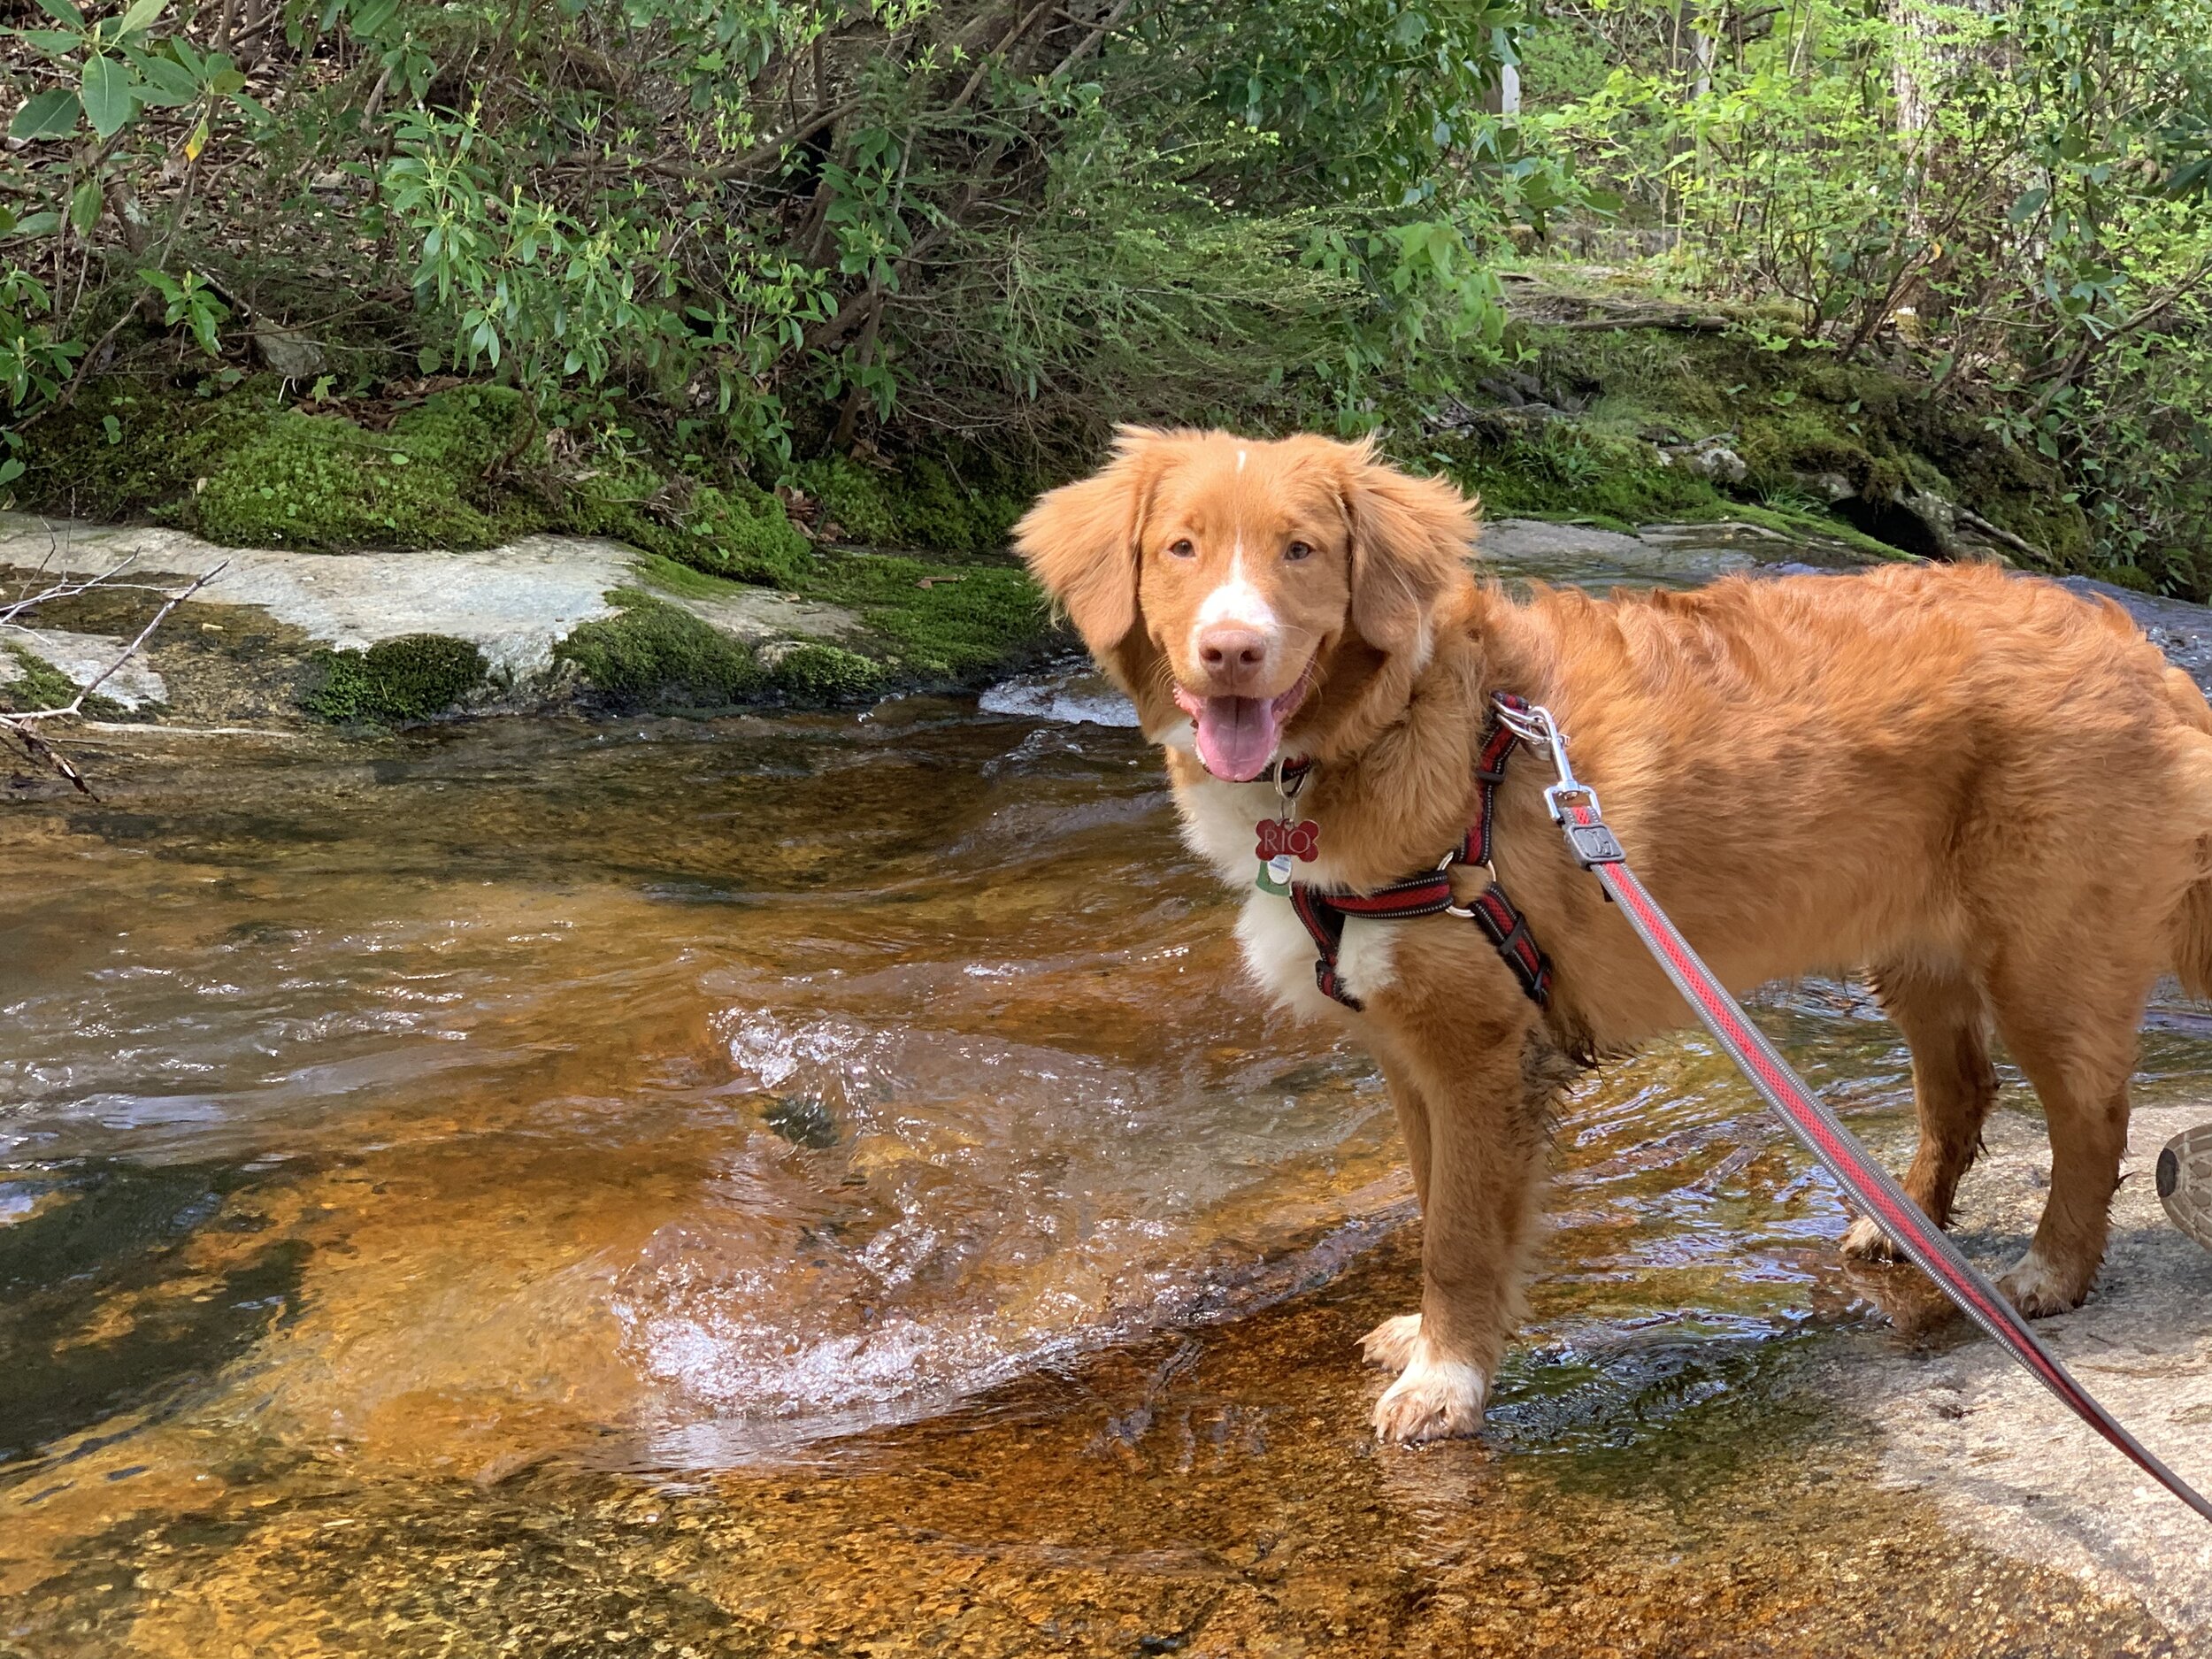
x,y
2181,630
1968,1429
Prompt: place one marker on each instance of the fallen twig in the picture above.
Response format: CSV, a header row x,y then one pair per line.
x,y
23,727
151,730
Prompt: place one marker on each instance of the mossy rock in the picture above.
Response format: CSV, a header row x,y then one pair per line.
x,y
1793,414
1566,471
415,677
125,450
321,481
814,672
658,655
939,623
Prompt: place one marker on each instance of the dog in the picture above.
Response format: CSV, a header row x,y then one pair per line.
x,y
1993,797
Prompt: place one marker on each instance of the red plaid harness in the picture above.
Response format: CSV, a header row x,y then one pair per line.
x,y
1430,893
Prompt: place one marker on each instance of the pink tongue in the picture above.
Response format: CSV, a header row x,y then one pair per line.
x,y
1236,736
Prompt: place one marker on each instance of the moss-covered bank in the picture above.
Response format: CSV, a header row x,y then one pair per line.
x,y
1621,426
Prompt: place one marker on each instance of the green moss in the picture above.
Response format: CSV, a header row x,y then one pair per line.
x,y
920,505
412,678
150,457
856,504
1791,415
321,481
815,672
939,622
740,532
245,470
38,684
655,655
683,581
1567,471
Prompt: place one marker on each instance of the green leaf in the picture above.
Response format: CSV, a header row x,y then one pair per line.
x,y
53,113
85,205
370,18
53,42
37,224
110,96
175,81
63,12
2188,179
141,15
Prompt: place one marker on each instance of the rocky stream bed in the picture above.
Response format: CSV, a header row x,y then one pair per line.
x,y
811,1182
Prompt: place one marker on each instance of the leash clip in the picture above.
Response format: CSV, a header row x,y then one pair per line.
x,y
1532,723
1587,837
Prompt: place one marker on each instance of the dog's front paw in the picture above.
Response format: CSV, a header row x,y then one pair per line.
x,y
1433,1400
1866,1243
2039,1289
1390,1344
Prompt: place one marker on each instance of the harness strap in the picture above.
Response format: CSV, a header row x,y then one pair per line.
x,y
1430,893
1866,1182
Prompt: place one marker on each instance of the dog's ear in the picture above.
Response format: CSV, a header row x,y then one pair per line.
x,y
1080,539
1409,541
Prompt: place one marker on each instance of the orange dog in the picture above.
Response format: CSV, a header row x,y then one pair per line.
x,y
1994,796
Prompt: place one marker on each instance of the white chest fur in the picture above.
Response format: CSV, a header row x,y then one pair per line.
x,y
1220,824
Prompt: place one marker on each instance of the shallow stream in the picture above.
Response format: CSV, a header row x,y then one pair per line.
x,y
818,1182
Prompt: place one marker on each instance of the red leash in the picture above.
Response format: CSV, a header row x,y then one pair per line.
x,y
1866,1181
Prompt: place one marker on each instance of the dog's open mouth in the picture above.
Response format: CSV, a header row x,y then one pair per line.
x,y
1237,736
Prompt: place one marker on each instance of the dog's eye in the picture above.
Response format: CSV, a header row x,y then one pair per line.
x,y
1181,549
1298,550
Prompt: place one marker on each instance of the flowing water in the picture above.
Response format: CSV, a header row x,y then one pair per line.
x,y
819,1182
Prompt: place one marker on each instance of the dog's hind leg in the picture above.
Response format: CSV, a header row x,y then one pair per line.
x,y
1944,1019
2070,1023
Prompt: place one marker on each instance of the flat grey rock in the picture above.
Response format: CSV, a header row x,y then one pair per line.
x,y
1657,556
515,603
1979,1435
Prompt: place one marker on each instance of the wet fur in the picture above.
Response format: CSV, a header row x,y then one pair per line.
x,y
1992,795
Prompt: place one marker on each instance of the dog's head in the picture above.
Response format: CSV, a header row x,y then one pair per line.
x,y
1247,585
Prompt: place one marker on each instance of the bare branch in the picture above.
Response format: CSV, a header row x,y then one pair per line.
x,y
23,727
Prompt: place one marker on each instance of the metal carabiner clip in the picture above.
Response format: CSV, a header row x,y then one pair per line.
x,y
1534,725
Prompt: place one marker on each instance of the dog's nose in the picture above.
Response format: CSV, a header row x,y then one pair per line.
x,y
1231,653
